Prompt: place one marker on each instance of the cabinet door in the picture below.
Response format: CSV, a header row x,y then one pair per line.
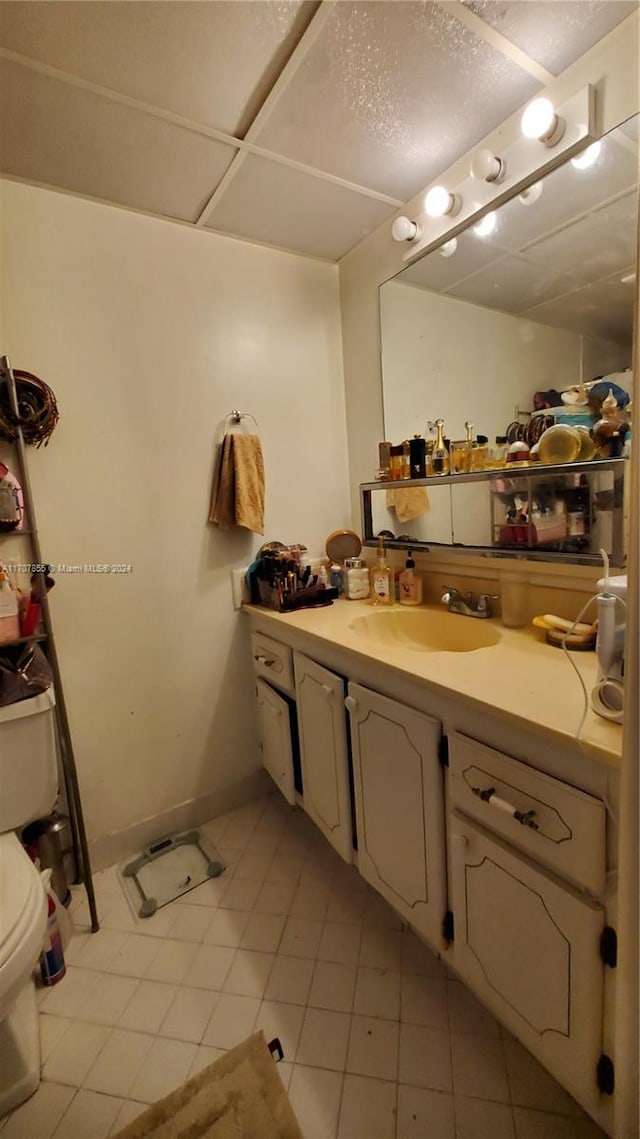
x,y
400,807
324,752
275,738
528,946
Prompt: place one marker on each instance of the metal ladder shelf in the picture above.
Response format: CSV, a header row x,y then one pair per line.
x,y
67,757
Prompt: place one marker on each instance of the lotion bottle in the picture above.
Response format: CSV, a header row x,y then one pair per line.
x,y
410,583
381,578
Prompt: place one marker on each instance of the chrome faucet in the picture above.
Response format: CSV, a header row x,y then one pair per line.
x,y
465,604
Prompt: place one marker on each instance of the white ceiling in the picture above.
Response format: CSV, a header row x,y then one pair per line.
x,y
298,123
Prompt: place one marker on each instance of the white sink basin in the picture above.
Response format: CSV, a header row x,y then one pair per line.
x,y
426,630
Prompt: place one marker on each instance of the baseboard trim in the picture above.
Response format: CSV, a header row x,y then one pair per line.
x,y
118,845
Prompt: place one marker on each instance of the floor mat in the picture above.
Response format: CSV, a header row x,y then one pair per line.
x,y
239,1096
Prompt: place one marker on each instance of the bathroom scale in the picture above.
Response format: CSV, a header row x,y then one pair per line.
x,y
169,868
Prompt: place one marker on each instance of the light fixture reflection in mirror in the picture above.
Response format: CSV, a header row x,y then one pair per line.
x,y
487,226
588,157
449,247
531,195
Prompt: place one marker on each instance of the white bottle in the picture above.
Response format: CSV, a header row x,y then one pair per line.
x,y
410,583
9,622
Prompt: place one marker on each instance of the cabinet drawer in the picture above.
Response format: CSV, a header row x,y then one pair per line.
x,y
273,661
556,824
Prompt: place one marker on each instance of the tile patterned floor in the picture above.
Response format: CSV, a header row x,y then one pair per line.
x,y
380,1041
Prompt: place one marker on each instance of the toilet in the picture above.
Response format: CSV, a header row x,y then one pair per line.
x,y
28,789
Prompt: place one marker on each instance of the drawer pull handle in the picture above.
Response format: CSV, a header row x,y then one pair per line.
x,y
266,661
327,690
488,795
350,704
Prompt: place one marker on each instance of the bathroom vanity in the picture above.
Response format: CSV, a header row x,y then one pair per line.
x,y
438,754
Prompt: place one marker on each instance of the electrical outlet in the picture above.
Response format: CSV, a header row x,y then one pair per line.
x,y
239,589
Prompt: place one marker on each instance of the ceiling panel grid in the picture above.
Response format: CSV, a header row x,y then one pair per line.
x,y
300,123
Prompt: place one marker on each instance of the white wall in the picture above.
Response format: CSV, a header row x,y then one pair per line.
x,y
149,333
446,358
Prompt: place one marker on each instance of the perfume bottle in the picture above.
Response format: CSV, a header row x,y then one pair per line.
x,y
381,578
606,433
440,455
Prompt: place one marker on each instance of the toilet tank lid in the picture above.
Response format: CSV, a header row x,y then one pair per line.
x,y
43,702
20,892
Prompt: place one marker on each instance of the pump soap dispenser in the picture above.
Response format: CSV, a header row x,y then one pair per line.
x,y
410,583
381,579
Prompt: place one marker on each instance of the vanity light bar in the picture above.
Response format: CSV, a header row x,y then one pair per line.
x,y
495,178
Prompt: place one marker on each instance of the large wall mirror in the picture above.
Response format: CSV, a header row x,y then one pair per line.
x,y
540,297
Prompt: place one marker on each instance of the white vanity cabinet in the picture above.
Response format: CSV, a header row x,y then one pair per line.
x,y
324,752
499,863
276,718
276,744
528,947
400,807
526,941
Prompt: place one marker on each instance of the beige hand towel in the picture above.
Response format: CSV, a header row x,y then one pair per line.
x,y
408,502
238,498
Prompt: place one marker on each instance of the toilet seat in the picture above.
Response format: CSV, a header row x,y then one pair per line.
x,y
23,917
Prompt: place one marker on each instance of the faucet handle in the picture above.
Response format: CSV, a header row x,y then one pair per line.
x,y
484,602
448,595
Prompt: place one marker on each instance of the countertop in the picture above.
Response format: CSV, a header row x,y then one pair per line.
x,y
520,677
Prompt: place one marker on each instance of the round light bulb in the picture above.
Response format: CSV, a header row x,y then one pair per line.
x,y
538,118
439,201
531,194
588,157
487,167
487,225
449,247
403,229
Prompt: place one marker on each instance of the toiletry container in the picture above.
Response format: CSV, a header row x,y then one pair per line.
x,y
396,462
517,454
559,444
418,457
357,579
514,594
410,583
384,459
381,579
606,433
336,578
9,621
440,454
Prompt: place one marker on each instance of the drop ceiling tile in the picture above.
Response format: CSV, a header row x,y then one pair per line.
x,y
280,206
51,132
602,310
512,285
440,273
390,94
566,193
554,34
596,246
213,62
